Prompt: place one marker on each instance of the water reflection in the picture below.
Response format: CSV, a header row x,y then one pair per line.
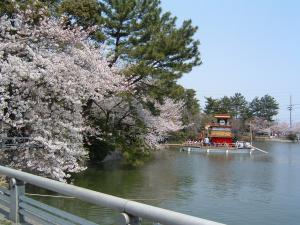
x,y
233,188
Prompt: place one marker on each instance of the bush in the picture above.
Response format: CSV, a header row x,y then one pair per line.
x,y
292,136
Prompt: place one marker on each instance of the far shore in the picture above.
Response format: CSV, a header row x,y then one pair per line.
x,y
275,139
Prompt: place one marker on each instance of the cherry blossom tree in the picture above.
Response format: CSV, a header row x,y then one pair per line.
x,y
133,113
260,125
136,128
158,127
48,72
280,128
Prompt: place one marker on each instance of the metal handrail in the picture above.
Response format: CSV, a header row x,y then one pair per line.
x,y
131,208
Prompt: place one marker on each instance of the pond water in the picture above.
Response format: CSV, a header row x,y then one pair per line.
x,y
233,189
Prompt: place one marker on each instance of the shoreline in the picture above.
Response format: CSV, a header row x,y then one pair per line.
x,y
263,139
256,139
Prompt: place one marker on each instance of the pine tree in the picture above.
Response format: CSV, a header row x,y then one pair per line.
x,y
238,105
140,35
9,7
85,13
265,107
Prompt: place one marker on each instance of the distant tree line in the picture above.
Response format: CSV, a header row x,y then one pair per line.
x,y
265,107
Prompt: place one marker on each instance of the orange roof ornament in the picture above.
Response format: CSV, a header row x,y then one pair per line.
x,y
222,116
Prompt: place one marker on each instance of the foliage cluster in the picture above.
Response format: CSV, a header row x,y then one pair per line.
x,y
265,107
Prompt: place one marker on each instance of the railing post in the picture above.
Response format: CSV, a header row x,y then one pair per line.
x,y
134,220
126,219
17,188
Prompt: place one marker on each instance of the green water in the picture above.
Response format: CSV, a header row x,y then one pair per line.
x,y
233,189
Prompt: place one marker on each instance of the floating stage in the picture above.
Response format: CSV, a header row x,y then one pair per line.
x,y
218,138
225,149
211,149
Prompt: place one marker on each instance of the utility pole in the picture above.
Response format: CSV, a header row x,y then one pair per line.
x,y
290,108
251,137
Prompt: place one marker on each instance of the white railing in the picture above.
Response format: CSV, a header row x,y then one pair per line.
x,y
22,208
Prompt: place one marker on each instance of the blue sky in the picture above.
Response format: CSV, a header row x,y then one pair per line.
x,y
251,47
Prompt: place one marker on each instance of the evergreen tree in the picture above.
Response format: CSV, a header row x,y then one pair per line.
x,y
239,105
140,35
191,114
225,105
215,106
212,106
8,7
85,13
265,107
